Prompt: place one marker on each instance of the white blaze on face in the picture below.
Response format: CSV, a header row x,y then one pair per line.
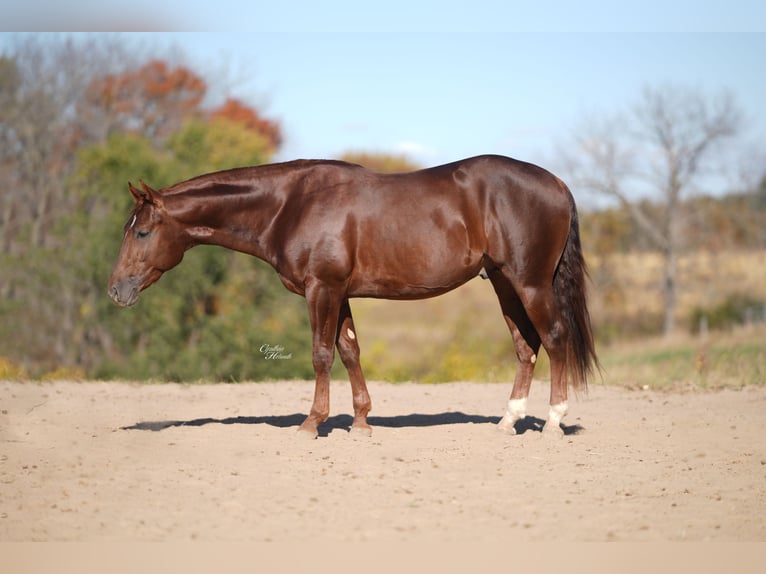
x,y
132,223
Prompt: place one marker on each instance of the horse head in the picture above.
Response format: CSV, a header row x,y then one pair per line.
x,y
153,243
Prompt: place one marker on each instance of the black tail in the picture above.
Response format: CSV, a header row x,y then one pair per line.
x,y
570,286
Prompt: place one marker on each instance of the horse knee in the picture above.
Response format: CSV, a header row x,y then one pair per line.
x,y
323,359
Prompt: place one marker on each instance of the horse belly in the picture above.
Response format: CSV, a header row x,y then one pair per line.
x,y
414,266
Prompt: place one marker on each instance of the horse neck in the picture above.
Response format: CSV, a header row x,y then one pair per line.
x,y
232,212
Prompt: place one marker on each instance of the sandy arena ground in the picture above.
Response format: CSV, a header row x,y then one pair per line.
x,y
122,462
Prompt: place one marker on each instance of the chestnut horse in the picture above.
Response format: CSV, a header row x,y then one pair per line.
x,y
334,230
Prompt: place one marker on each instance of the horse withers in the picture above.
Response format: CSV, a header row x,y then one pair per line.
x,y
334,230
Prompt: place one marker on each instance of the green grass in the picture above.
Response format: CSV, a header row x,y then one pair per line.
x,y
723,359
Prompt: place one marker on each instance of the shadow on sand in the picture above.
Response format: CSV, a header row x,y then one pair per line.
x,y
343,422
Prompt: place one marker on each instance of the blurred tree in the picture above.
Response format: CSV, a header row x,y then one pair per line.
x,y
758,206
381,162
249,118
662,145
152,100
42,82
609,230
38,90
78,120
211,314
201,146
10,81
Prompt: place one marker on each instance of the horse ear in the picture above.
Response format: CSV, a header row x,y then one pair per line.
x,y
137,194
151,195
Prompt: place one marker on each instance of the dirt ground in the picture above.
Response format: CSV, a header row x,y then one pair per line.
x,y
128,462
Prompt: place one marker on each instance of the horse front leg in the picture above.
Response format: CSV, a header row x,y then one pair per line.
x,y
324,307
348,349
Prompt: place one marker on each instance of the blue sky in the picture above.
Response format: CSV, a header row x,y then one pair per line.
x,y
391,15
448,79
442,96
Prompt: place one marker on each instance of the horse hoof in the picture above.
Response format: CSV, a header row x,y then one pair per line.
x,y
360,432
553,431
307,434
506,427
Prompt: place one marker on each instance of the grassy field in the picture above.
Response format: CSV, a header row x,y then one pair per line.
x,y
625,296
722,359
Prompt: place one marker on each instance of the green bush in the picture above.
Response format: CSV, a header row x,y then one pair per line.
x,y
732,311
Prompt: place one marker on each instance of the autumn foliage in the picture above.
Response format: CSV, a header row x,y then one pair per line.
x,y
74,130
151,99
236,111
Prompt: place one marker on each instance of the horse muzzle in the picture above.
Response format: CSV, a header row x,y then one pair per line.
x,y
124,293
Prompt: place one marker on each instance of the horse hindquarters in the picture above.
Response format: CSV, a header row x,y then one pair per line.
x,y
536,248
558,310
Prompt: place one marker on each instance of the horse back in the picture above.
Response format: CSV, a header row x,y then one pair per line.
x,y
415,234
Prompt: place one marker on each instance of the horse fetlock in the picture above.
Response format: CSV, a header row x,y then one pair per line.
x,y
557,412
516,409
552,427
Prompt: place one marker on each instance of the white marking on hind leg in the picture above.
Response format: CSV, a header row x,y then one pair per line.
x,y
515,410
555,414
350,334
533,359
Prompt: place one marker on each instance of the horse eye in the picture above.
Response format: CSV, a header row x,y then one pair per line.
x,y
141,234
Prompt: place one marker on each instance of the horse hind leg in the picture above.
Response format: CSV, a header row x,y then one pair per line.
x,y
526,341
544,313
348,349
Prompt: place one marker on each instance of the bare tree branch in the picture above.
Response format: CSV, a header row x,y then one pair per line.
x,y
665,143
